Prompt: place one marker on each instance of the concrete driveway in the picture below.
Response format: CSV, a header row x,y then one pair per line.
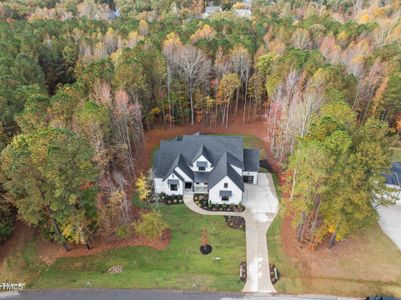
x,y
261,197
390,222
261,208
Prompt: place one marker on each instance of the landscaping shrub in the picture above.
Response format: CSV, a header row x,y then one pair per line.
x,y
125,231
171,199
236,222
151,225
203,201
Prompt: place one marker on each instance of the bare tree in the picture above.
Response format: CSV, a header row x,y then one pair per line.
x,y
367,88
170,47
241,64
127,121
301,39
195,69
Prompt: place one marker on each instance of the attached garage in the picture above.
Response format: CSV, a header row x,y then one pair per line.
x,y
248,178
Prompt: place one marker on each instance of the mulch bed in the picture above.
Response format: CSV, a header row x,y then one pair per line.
x,y
49,252
205,249
236,222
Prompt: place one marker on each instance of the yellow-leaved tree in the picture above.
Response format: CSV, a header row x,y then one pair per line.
x,y
143,188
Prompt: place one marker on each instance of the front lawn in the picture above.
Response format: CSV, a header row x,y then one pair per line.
x,y
180,266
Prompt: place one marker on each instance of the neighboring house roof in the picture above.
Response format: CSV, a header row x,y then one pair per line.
x,y
243,13
223,169
210,10
251,160
213,9
394,176
222,152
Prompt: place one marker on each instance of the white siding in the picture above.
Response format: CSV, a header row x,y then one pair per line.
x,y
162,186
214,192
254,174
203,159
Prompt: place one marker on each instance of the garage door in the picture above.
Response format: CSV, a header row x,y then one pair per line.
x,y
248,179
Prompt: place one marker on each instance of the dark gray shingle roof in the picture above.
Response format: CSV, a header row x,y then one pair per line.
x,y
202,151
223,169
394,176
223,152
214,146
251,160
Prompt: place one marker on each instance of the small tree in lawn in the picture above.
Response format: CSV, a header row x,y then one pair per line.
x,y
204,238
143,188
151,225
205,248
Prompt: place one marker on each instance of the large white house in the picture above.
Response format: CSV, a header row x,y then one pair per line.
x,y
217,165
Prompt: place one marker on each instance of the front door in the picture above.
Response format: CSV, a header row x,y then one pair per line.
x,y
188,185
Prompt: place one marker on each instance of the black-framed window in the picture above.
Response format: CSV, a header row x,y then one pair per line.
x,y
225,185
225,198
201,168
173,187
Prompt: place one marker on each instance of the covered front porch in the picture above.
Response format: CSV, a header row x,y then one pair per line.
x,y
195,188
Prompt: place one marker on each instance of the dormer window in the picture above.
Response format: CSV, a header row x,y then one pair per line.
x,y
225,185
201,165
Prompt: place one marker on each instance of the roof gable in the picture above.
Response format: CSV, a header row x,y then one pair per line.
x,y
223,169
202,152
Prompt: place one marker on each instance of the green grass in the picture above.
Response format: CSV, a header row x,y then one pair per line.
x,y
368,263
277,185
396,157
180,266
23,265
290,281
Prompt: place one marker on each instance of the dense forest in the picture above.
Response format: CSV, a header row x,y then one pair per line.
x,y
82,81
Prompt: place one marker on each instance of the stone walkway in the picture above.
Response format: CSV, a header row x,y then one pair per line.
x,y
261,208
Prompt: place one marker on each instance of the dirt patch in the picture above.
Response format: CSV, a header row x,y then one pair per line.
x,y
49,251
159,132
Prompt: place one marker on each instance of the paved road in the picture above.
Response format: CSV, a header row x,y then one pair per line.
x,y
261,207
127,294
390,222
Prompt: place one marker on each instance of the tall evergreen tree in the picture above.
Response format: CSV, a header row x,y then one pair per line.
x,y
47,176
